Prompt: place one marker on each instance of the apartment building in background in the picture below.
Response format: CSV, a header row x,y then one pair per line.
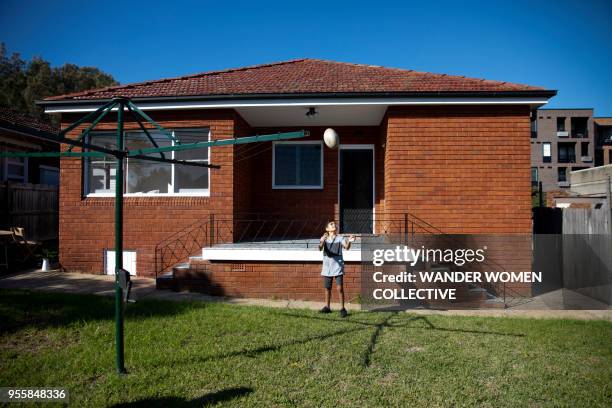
x,y
562,140
603,141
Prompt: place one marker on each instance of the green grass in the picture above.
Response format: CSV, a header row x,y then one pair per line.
x,y
210,353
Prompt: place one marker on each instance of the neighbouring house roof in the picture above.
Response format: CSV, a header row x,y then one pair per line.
x,y
305,77
22,130
603,121
11,119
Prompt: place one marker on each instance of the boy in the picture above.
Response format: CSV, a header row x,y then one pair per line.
x,y
333,263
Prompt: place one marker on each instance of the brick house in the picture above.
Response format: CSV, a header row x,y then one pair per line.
x,y
15,135
416,149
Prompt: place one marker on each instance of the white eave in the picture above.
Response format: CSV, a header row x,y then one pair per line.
x,y
357,111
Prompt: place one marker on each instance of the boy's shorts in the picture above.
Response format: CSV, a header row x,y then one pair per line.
x,y
327,281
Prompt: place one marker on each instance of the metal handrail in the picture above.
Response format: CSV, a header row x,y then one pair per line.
x,y
261,228
272,228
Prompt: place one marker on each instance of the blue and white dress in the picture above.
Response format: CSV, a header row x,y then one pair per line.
x,y
333,262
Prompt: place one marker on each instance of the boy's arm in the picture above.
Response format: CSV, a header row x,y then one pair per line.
x,y
346,243
322,241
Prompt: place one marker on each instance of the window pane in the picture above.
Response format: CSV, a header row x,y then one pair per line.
x,y
15,170
190,178
101,175
284,165
192,136
309,165
562,174
147,177
297,165
101,170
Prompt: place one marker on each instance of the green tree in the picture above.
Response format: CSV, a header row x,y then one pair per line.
x,y
12,79
22,83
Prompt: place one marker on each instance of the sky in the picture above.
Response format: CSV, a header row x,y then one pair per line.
x,y
562,45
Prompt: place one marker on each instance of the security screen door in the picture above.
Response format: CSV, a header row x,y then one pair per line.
x,y
356,182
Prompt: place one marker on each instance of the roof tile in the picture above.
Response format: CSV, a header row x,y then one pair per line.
x,y
303,76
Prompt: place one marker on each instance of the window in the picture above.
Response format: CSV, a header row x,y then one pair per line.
x,y
561,124
584,148
546,153
190,179
143,177
561,174
297,165
100,171
534,127
580,127
16,169
566,153
534,176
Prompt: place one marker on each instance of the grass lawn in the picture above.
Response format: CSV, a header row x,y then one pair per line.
x,y
209,353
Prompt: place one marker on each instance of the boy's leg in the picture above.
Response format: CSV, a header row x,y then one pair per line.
x,y
340,287
327,284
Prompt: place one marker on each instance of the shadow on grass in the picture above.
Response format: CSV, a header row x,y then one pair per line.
x,y
357,326
254,352
211,399
385,323
21,308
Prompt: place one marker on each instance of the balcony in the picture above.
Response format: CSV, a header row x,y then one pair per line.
x,y
579,127
580,134
566,159
566,152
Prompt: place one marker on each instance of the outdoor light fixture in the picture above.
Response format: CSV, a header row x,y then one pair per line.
x,y
312,112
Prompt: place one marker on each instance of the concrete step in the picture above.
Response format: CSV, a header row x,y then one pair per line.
x,y
165,281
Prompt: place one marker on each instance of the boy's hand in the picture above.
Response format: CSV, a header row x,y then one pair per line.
x,y
351,238
324,237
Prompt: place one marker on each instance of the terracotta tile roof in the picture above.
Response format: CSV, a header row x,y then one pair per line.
x,y
303,76
12,117
603,121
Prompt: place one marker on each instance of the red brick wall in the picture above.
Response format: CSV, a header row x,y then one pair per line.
x,y
310,204
87,224
243,163
462,169
283,280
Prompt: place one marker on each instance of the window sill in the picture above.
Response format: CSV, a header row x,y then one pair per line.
x,y
137,195
297,187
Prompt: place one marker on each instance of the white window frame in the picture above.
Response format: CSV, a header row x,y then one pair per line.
x,y
291,187
192,193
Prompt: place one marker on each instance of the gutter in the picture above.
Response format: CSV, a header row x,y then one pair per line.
x,y
325,95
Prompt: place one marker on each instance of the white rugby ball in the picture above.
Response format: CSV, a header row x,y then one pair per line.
x,y
330,137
